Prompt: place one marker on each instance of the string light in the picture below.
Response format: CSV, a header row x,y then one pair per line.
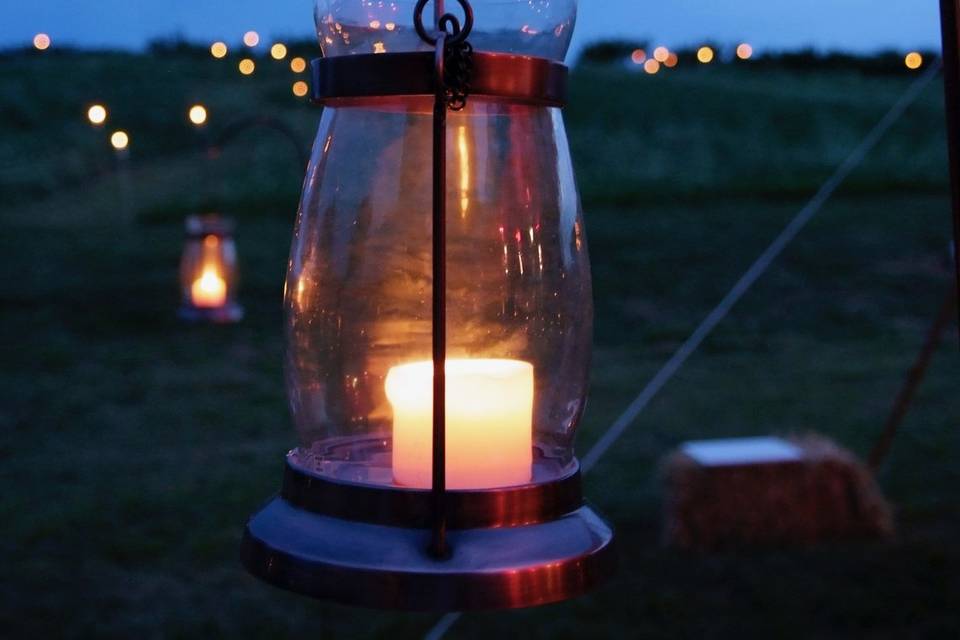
x,y
300,88
705,55
651,66
913,60
97,114
197,114
278,51
120,140
247,66
744,51
671,60
251,38
638,56
660,54
218,49
297,65
41,42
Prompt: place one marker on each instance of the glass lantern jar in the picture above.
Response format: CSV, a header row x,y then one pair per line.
x,y
358,289
369,513
208,271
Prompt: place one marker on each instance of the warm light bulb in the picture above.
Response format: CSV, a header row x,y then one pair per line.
x,y
671,60
651,66
120,140
97,114
278,51
298,65
41,42
660,54
744,51
638,56
246,66
251,38
705,55
300,88
218,49
374,24
913,60
197,114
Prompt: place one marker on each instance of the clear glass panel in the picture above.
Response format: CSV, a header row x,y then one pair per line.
x,y
208,267
358,296
529,27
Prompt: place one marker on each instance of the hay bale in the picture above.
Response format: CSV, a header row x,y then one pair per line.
x,y
769,492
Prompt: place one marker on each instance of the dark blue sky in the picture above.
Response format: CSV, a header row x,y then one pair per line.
x,y
858,25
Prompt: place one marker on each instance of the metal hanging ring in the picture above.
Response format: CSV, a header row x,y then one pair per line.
x,y
457,33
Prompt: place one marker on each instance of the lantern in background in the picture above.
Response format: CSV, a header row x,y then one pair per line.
x,y
208,271
439,319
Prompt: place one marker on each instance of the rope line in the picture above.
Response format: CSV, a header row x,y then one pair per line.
x,y
757,269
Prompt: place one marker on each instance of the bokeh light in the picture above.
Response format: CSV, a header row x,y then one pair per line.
x,y
297,65
638,56
120,140
744,51
197,114
651,66
705,55
97,114
374,24
379,47
300,88
278,51
251,38
246,66
913,60
41,42
660,54
390,26
218,49
671,60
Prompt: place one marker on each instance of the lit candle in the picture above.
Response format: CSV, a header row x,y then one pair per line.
x,y
489,426
209,290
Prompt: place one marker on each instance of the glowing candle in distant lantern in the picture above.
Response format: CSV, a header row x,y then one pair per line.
x,y
489,426
209,291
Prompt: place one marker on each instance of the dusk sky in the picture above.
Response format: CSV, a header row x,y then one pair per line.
x,y
857,25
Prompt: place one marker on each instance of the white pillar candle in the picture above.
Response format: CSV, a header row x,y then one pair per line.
x,y
489,425
209,291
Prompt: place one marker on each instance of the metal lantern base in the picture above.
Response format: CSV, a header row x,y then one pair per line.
x,y
227,314
367,546
370,565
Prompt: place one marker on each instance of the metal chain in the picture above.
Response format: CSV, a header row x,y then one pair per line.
x,y
458,75
457,52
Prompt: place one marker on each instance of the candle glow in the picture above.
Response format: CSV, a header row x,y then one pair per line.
x,y
209,291
489,423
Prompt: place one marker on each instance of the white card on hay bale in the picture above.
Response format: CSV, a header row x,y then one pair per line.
x,y
737,451
766,491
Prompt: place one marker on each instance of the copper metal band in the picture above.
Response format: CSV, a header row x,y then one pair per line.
x,y
393,506
498,76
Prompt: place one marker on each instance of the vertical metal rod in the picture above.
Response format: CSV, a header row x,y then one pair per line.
x,y
950,31
438,543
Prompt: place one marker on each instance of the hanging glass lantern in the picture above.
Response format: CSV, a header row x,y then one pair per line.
x,y
439,319
208,271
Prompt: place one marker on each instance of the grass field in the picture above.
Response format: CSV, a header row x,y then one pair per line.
x,y
132,447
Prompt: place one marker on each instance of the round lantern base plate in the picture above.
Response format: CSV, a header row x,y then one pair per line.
x,y
372,565
227,314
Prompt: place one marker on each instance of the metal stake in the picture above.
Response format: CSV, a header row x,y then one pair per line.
x,y
950,28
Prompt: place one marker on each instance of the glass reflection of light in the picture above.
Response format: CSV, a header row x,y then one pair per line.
x,y
463,150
